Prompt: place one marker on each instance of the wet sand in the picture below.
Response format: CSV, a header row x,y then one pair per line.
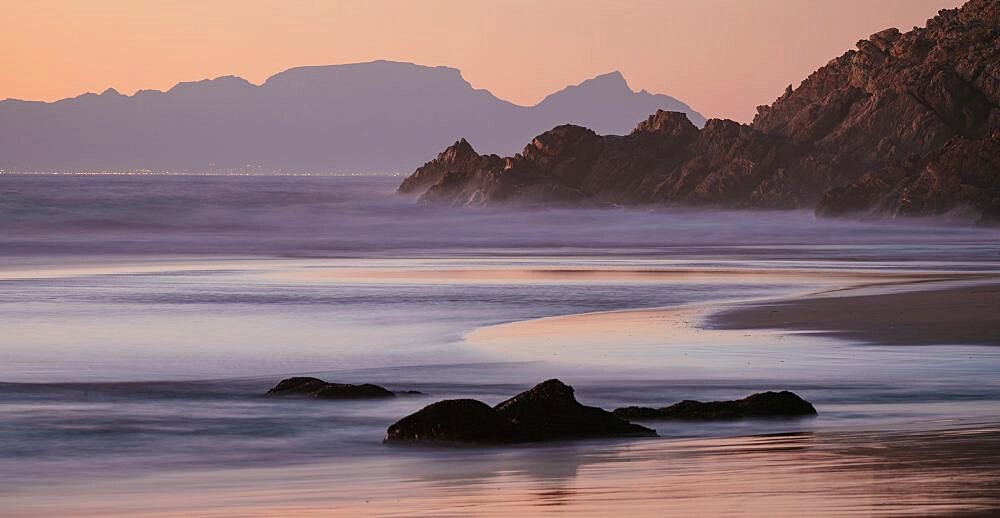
x,y
514,272
915,309
943,466
913,473
967,315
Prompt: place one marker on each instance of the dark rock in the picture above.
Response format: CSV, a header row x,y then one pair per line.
x,y
990,216
672,124
459,176
317,388
297,385
458,156
453,420
545,412
963,177
764,404
869,132
346,391
549,410
687,409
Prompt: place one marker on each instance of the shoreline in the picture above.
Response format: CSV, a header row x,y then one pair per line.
x,y
886,447
915,315
929,308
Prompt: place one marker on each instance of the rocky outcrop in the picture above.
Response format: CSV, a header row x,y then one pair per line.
x,y
877,124
453,420
764,404
299,385
459,173
547,411
458,157
666,158
319,389
961,179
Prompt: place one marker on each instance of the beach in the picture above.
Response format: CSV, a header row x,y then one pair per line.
x,y
136,361
921,315
924,472
898,446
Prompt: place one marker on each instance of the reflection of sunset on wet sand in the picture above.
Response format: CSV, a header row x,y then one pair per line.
x,y
503,272
798,474
878,308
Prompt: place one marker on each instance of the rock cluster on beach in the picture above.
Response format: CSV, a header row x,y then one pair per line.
x,y
764,404
908,124
550,411
547,411
319,389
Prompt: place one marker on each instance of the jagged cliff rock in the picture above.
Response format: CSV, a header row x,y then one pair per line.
x,y
961,178
904,125
665,159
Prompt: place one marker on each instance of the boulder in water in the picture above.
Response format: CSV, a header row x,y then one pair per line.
x,y
548,411
453,420
319,389
764,404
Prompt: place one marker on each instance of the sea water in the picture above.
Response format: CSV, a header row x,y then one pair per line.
x,y
143,318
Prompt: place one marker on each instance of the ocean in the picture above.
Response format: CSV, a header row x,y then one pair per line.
x,y
143,318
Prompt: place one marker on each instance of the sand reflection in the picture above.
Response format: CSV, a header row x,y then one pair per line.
x,y
801,474
445,272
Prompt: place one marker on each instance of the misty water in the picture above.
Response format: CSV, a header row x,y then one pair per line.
x,y
143,318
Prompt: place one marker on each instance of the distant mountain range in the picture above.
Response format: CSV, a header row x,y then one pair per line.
x,y
908,124
377,116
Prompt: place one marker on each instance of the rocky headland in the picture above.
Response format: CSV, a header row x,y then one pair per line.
x,y
907,124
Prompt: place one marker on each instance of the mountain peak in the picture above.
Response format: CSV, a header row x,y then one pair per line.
x,y
607,104
611,80
223,82
380,68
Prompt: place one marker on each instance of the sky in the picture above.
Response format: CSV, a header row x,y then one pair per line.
x,y
723,57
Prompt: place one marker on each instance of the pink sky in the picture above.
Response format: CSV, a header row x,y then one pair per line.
x,y
723,57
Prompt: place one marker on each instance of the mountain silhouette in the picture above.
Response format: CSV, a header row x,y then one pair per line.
x,y
376,116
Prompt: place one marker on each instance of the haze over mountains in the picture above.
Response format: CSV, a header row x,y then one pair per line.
x,y
377,116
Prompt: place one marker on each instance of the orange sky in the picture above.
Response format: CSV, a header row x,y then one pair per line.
x,y
724,57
